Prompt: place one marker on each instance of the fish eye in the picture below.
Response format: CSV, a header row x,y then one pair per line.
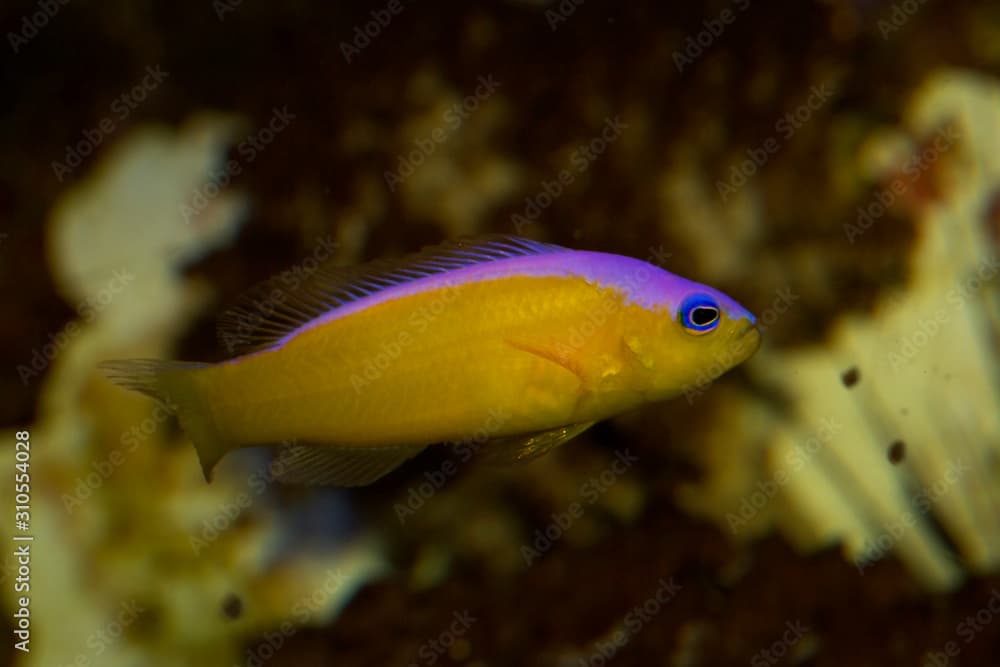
x,y
699,314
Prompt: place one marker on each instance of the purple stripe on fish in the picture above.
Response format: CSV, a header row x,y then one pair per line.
x,y
641,283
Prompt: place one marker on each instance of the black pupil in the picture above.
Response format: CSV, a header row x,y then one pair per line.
x,y
703,315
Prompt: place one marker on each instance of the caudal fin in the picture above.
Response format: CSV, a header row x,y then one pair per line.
x,y
174,384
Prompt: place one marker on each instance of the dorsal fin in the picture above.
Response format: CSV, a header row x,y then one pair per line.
x,y
274,309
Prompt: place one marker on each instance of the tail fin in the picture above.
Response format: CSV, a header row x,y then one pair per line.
x,y
174,384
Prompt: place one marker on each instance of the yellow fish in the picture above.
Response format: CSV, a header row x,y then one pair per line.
x,y
525,343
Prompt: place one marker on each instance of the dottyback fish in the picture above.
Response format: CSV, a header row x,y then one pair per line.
x,y
514,342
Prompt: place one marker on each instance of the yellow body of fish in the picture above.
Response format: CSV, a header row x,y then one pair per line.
x,y
398,373
509,356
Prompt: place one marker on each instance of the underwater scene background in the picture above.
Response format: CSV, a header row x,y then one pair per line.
x,y
834,166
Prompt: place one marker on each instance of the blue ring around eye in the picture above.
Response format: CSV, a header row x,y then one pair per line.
x,y
699,314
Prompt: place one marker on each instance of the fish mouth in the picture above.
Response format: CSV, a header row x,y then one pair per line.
x,y
749,338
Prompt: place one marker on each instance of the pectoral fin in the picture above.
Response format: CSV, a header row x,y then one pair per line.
x,y
550,353
524,448
338,466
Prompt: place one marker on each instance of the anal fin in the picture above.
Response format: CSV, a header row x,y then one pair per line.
x,y
524,448
325,465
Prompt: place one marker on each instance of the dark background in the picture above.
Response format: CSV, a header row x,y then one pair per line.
x,y
558,85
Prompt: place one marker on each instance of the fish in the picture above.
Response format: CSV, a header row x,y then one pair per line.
x,y
513,344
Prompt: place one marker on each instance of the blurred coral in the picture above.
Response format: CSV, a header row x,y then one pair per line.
x,y
905,459
137,560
